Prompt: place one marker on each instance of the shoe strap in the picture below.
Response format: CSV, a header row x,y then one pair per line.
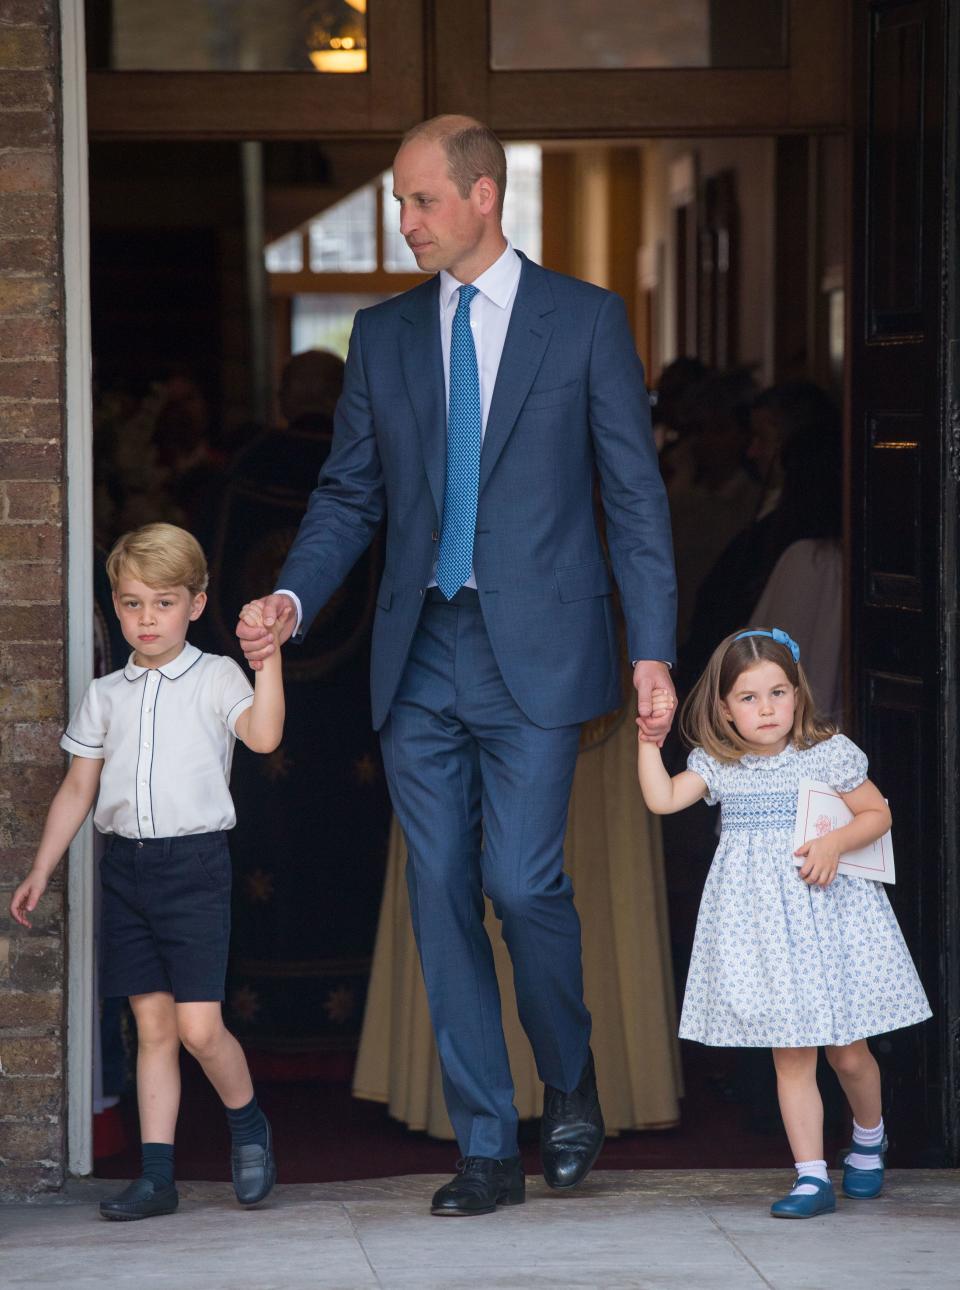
x,y
862,1149
809,1180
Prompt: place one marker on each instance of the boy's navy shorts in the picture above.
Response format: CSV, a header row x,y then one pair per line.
x,y
165,916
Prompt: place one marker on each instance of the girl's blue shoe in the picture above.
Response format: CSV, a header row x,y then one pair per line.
x,y
822,1201
864,1184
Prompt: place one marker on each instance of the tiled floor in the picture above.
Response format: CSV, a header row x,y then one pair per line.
x,y
651,1229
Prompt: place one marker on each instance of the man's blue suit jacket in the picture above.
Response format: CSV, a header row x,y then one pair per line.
x,y
569,398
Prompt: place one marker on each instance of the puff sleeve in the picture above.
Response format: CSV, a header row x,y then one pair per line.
x,y
703,764
846,764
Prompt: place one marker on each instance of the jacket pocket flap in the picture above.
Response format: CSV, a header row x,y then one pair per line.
x,y
581,581
550,398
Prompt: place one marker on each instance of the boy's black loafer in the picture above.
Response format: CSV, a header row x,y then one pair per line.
x,y
480,1186
254,1170
142,1199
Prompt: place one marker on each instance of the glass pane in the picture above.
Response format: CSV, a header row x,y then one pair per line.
x,y
397,256
344,238
582,34
285,255
325,321
521,206
227,35
521,210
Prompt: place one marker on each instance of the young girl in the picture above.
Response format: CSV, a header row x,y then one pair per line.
x,y
788,957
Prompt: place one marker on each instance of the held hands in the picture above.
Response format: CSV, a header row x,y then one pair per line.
x,y
821,858
264,626
656,700
26,898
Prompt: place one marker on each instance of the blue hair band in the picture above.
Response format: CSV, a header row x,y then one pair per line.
x,y
777,635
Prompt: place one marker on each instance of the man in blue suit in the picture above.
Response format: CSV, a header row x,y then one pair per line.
x,y
476,410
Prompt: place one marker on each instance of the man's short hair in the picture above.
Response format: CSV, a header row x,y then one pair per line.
x,y
473,151
159,555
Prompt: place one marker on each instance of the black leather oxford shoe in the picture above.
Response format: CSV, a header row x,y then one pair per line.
x,y
571,1130
142,1199
480,1186
254,1170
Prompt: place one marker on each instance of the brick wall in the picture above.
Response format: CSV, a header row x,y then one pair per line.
x,y
32,620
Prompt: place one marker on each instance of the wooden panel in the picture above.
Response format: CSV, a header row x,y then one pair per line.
x,y
896,732
384,101
903,523
895,171
893,552
810,94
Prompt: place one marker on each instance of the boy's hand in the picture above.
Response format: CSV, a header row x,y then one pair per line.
x,y
24,900
821,858
276,627
252,615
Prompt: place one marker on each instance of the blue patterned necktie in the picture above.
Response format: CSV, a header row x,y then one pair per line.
x,y
464,423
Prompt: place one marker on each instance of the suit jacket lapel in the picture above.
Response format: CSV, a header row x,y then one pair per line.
x,y
422,361
527,337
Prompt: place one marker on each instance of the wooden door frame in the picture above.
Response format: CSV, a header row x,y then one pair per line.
x,y
380,103
809,95
438,61
903,390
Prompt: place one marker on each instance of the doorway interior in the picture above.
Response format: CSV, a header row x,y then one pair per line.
x,y
728,249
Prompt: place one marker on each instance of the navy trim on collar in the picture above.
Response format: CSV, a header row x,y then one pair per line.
x,y
171,671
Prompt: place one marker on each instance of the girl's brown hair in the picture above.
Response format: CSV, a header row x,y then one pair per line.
x,y
703,723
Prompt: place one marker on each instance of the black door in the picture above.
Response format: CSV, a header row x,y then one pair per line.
x,y
904,458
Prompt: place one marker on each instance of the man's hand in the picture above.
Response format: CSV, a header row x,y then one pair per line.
x,y
278,617
654,720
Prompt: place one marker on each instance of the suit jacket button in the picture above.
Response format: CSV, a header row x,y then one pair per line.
x,y
435,536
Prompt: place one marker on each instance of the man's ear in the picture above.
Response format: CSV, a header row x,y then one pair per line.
x,y
486,194
197,605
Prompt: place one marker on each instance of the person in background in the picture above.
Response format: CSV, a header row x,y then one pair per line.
x,y
808,461
715,502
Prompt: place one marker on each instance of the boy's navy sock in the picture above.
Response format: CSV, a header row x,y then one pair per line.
x,y
248,1124
157,1163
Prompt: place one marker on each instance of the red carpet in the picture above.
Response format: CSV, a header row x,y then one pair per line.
x,y
322,1134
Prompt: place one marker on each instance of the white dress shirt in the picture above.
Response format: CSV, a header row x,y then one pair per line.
x,y
166,737
490,312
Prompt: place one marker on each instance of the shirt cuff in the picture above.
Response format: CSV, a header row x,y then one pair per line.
x,y
78,749
239,707
282,591
634,662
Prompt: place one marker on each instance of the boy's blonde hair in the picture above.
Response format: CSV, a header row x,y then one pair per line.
x,y
703,723
159,555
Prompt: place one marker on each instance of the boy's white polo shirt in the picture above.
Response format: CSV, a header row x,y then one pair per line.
x,y
166,736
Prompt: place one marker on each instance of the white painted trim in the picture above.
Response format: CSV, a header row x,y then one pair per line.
x,y
81,1005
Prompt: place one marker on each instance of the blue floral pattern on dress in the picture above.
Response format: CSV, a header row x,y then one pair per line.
x,y
777,963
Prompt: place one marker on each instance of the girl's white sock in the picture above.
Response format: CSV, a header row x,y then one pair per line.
x,y
865,1138
809,1169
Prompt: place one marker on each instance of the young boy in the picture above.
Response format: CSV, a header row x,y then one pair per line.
x,y
156,741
